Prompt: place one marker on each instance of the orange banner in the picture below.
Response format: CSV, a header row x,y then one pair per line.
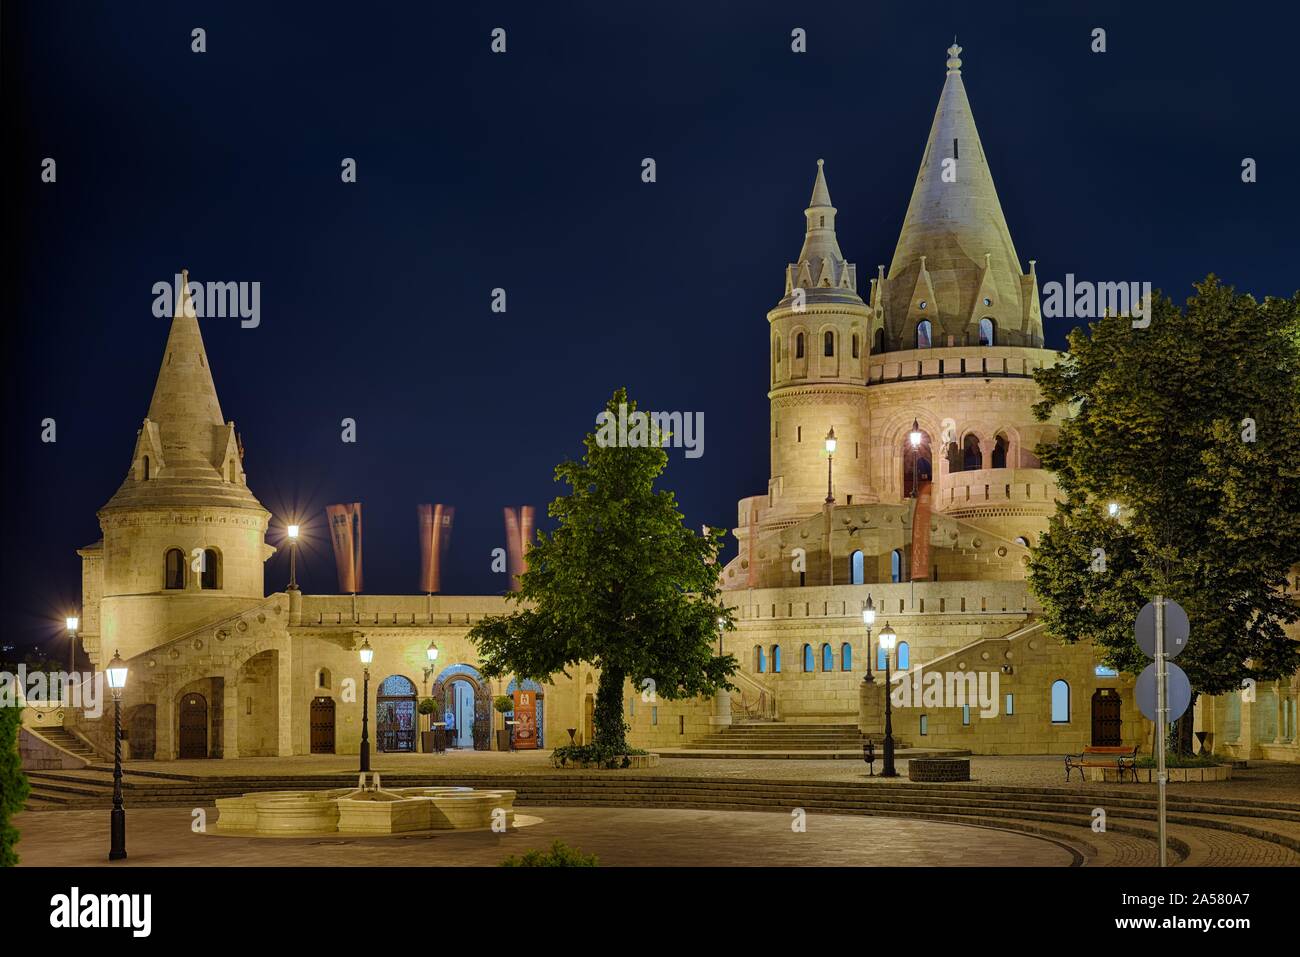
x,y
435,537
519,539
345,532
920,570
525,720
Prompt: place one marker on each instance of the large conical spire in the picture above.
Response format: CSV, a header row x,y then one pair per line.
x,y
185,452
954,242
821,269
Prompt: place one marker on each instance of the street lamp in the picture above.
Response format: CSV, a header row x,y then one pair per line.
x,y
73,622
367,656
869,619
722,625
830,458
888,638
1113,509
915,437
117,821
432,654
293,557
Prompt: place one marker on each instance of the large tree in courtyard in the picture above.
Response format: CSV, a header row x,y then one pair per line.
x,y
621,584
1192,427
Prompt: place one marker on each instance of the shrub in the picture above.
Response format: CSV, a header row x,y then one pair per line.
x,y
560,855
1175,760
594,754
13,784
428,706
504,703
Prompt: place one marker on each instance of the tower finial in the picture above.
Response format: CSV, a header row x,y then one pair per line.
x,y
954,58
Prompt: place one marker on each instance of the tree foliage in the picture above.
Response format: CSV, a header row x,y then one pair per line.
x,y
1192,426
621,584
13,784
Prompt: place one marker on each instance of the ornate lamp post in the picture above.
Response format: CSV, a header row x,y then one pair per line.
x,y
830,459
915,437
722,626
117,822
888,638
869,619
292,531
73,622
367,656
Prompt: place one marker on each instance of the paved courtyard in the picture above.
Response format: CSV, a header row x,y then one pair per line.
x,y
624,837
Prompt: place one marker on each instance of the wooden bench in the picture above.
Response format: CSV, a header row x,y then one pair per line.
x,y
1120,758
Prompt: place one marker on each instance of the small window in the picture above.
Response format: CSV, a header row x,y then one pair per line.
x,y
654,714
965,714
808,663
210,572
175,568
857,573
1022,540
828,343
904,656
798,346
896,565
760,659
821,220
846,657
923,303
145,469
879,347
882,658
1011,704
855,345
925,724
988,301
988,331
776,659
1104,671
923,334
323,678
1060,702
828,658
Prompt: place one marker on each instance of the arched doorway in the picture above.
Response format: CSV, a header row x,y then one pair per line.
x,y
193,726
466,706
322,725
1106,723
142,727
533,686
395,714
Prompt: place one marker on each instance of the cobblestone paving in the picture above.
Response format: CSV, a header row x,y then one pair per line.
x,y
627,837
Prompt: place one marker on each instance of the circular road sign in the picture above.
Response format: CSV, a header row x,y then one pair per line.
x,y
1179,692
1177,628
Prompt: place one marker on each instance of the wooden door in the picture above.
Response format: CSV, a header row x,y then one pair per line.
x,y
322,726
194,726
1106,718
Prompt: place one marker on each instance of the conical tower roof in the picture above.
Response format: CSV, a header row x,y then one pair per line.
x,y
186,453
955,220
821,269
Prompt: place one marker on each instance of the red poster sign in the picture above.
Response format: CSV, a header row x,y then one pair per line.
x,y
525,720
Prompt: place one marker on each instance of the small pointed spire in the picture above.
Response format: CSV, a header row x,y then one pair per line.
x,y
821,195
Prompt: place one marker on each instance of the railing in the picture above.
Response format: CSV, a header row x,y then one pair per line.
x,y
761,703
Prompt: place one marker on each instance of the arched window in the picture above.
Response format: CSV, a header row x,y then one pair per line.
x,y
904,656
210,573
923,334
882,658
896,565
857,574
144,472
808,663
1060,702
879,346
828,658
988,331
175,563
776,659
846,657
323,678
760,659
776,350
855,345
1022,540
1000,452
971,457
828,343
798,346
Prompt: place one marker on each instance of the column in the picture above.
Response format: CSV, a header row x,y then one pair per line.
x,y
284,702
230,712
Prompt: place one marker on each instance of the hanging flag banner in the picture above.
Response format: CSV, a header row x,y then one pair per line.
x,y
921,532
525,720
519,539
434,523
345,532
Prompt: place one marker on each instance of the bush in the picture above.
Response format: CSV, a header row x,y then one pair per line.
x,y
428,706
13,784
594,754
504,703
1175,760
560,855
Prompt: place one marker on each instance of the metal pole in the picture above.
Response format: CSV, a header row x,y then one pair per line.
x,y
887,770
830,458
117,820
365,723
1162,717
293,566
869,679
72,651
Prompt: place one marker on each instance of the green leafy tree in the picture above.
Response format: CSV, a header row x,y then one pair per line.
x,y
621,584
13,784
1192,427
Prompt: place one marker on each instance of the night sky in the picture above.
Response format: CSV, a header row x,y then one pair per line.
x,y
522,171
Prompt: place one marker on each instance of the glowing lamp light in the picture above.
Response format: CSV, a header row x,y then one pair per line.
x,y
73,622
1113,509
915,435
116,672
830,441
869,613
367,653
888,638
432,651
293,533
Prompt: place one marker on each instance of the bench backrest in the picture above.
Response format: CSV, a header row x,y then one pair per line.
x,y
1091,749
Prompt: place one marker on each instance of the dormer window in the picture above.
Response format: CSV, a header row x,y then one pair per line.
x,y
144,469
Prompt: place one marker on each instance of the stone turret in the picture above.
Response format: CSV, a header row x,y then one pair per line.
x,y
183,536
955,264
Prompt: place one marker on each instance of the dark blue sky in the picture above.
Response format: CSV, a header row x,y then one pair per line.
x,y
523,171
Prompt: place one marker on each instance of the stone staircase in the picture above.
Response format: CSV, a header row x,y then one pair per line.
x,y
65,739
777,739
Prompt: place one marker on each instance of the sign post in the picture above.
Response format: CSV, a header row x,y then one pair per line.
x,y
1162,630
1162,716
